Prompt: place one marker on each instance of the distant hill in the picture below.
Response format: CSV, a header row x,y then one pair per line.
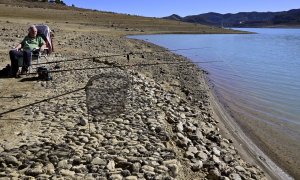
x,y
243,19
289,17
174,17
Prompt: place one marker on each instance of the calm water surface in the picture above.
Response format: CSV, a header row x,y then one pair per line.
x,y
259,74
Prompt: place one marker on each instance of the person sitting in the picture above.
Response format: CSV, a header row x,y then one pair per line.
x,y
30,43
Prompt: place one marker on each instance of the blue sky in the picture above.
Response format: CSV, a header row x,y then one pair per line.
x,y
160,8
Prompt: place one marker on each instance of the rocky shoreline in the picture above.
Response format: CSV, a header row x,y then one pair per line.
x,y
133,146
166,130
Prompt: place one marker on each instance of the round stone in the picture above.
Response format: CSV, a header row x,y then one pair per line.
x,y
235,176
216,151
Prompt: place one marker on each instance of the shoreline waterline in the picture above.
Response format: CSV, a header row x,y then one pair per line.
x,y
247,146
276,137
256,82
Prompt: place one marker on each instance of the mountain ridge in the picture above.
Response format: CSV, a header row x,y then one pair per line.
x,y
243,19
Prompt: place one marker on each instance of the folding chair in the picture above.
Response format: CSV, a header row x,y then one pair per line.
x,y
45,32
47,35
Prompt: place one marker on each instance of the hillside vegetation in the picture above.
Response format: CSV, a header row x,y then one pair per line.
x,y
124,23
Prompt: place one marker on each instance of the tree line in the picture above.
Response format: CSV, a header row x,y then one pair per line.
x,y
56,1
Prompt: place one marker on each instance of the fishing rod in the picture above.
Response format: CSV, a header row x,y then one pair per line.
x,y
30,97
131,65
12,119
38,102
104,67
116,55
12,97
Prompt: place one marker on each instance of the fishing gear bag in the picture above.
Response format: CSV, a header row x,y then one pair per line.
x,y
44,73
6,71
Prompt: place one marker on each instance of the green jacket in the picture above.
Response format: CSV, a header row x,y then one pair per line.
x,y
30,43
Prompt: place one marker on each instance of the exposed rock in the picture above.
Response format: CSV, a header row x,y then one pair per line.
x,y
98,161
214,174
49,168
216,151
34,171
228,158
202,155
179,127
148,168
235,176
240,168
116,177
68,173
136,167
125,173
216,159
192,149
64,164
111,165
174,170
197,165
83,121
189,155
131,178
79,169
12,160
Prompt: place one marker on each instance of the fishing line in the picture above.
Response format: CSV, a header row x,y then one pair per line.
x,y
131,65
116,55
12,119
229,64
116,66
103,67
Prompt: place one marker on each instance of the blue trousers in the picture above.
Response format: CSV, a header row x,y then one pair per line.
x,y
15,55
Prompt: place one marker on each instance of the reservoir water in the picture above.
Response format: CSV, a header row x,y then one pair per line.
x,y
257,77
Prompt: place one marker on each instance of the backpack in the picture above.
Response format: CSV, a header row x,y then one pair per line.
x,y
44,73
6,71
